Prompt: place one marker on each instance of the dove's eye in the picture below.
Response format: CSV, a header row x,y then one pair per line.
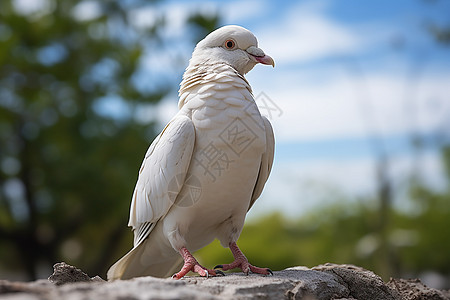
x,y
230,44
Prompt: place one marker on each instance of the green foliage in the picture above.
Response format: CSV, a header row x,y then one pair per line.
x,y
204,24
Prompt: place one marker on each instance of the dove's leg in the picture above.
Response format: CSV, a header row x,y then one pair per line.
x,y
191,264
241,262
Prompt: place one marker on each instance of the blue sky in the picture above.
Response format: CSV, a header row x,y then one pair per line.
x,y
347,73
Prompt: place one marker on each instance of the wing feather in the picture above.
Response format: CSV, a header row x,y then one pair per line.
x,y
167,157
266,162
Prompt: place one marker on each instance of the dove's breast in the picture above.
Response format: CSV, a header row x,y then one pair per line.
x,y
230,140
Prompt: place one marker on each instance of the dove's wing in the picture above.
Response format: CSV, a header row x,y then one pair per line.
x,y
161,175
266,162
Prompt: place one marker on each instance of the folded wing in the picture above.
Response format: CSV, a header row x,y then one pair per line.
x,y
266,162
161,175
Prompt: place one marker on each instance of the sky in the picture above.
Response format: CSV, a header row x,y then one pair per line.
x,y
353,80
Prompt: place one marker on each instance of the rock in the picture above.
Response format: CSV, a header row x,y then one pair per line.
x,y
64,273
414,289
327,281
362,284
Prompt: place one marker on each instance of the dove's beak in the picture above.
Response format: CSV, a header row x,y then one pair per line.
x,y
265,60
259,56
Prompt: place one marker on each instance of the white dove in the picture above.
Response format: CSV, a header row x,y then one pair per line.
x,y
207,167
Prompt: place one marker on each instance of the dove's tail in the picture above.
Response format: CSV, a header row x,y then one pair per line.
x,y
137,263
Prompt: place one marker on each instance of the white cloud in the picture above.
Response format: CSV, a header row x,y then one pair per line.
x,y
305,34
329,102
240,12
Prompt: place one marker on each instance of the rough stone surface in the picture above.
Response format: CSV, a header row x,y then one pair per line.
x,y
414,289
64,273
362,284
322,282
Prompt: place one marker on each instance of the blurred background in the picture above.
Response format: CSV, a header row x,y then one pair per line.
x,y
359,101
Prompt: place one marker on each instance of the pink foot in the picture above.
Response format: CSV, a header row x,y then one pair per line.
x,y
191,264
241,262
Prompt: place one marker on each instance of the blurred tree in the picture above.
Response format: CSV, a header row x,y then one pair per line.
x,y
348,233
441,33
204,24
70,142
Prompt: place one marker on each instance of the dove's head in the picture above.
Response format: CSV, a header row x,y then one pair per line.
x,y
233,45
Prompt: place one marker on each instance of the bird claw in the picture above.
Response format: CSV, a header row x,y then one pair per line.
x,y
207,274
191,264
245,267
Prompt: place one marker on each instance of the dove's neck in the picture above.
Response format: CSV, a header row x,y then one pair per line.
x,y
199,77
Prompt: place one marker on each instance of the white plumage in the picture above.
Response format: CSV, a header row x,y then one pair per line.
x,y
207,167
